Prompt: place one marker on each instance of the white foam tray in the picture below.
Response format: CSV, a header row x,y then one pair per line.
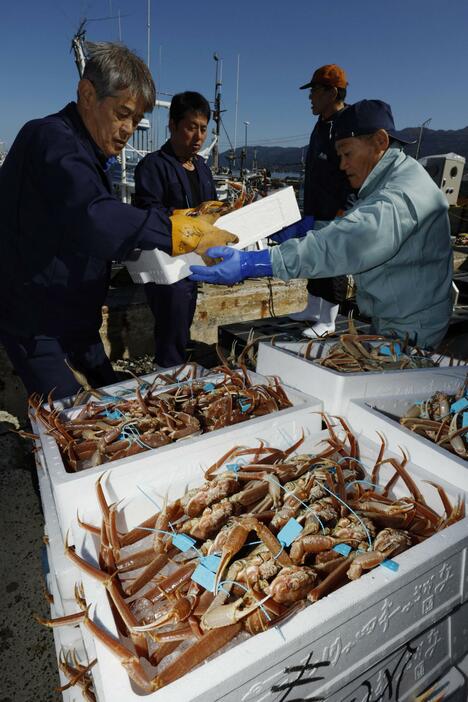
x,y
337,389
352,629
73,491
251,224
365,415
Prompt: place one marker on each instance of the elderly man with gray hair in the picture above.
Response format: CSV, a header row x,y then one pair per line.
x,y
61,225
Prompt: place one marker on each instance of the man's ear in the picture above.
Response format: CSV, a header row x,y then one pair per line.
x,y
86,93
382,140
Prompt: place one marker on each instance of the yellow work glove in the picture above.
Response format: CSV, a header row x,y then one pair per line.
x,y
209,207
197,234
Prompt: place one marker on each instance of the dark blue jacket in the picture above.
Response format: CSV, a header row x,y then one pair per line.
x,y
326,188
161,181
60,227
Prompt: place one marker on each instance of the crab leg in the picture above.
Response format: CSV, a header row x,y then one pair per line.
x,y
69,619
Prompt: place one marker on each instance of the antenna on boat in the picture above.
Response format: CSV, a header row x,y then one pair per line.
x,y
217,111
237,106
78,47
148,31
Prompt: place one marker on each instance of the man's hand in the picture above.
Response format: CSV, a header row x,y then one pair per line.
x,y
296,230
235,266
197,234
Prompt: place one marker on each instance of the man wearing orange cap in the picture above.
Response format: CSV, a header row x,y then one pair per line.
x,y
326,190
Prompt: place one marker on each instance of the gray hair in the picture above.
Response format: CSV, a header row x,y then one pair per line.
x,y
112,67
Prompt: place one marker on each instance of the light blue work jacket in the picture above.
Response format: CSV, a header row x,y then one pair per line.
x,y
395,241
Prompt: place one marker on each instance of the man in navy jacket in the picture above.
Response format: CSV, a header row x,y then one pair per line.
x,y
173,178
61,226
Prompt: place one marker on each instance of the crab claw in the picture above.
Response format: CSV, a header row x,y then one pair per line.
x,y
233,544
229,614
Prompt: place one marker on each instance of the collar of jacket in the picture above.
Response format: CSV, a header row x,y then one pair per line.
x,y
391,158
71,112
167,152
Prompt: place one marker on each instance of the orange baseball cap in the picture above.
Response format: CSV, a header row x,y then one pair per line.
x,y
330,75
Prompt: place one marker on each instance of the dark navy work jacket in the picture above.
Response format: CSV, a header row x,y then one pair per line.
x,y
60,227
161,181
326,188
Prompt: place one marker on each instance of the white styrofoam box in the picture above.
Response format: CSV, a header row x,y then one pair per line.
x,y
61,569
368,415
72,491
60,582
336,389
251,223
126,388
345,634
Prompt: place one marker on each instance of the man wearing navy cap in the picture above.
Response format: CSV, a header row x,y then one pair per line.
x,y
395,240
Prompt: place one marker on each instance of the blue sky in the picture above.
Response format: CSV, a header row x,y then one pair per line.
x,y
412,54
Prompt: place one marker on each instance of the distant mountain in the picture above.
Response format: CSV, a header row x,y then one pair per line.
x,y
278,158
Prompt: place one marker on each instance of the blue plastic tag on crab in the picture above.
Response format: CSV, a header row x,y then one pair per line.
x,y
387,350
211,562
289,532
465,419
204,577
342,549
183,542
144,386
115,414
244,404
208,387
459,405
391,565
233,467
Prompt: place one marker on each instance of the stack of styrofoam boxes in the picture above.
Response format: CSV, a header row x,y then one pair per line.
x,y
62,574
286,360
386,628
75,492
60,581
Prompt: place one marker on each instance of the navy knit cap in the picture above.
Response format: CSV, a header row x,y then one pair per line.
x,y
366,117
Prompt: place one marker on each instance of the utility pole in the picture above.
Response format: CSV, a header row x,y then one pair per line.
x,y
424,124
217,111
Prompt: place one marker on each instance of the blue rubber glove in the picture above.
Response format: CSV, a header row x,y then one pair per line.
x,y
294,231
235,267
